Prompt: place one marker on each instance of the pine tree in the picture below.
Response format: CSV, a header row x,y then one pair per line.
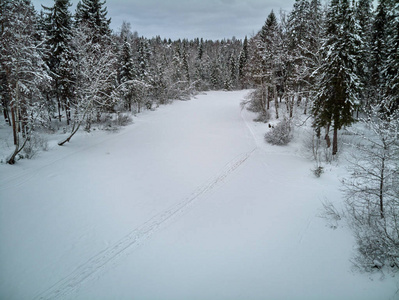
x,y
338,84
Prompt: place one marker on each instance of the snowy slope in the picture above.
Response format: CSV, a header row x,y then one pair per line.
x,y
187,203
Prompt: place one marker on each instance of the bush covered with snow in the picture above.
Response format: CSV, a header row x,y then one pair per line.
x,y
34,144
281,134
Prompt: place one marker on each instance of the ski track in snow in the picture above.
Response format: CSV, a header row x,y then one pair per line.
x,y
97,264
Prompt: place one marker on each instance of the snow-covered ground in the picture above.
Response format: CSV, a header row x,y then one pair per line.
x,y
186,203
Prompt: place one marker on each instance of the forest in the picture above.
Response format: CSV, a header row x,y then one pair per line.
x,y
335,63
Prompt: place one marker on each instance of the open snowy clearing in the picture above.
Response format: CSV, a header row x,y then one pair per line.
x,y
187,203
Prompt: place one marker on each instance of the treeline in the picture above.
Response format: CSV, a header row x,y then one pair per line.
x,y
331,60
59,69
336,61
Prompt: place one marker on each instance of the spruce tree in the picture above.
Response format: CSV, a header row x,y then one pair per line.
x,y
233,71
338,84
391,70
186,71
58,24
378,52
127,74
94,14
297,46
364,16
269,47
242,63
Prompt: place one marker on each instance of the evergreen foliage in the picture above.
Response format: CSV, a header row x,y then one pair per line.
x,y
338,85
60,58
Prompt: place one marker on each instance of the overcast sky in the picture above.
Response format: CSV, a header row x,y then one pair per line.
x,y
210,19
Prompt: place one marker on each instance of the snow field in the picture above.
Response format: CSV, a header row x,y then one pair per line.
x,y
187,203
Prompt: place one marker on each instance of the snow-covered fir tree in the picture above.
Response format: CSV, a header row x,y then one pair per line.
x,y
94,14
58,26
337,89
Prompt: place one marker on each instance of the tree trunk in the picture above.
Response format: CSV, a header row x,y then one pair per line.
x,y
327,137
305,110
68,112
275,100
71,135
335,141
5,112
18,149
299,99
381,195
292,107
14,116
77,124
58,102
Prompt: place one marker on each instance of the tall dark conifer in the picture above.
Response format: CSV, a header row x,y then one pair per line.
x,y
127,74
94,14
338,84
391,70
242,63
58,24
378,52
364,18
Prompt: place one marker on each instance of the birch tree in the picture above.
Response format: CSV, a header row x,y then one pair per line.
x,y
24,69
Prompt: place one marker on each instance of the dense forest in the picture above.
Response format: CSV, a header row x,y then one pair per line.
x,y
338,64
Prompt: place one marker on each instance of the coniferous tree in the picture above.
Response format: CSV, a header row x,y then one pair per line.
x,y
186,71
94,14
58,25
127,74
269,50
338,84
378,52
364,17
233,71
391,70
242,63
297,49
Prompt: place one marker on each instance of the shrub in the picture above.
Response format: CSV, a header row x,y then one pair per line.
x,y
35,144
281,134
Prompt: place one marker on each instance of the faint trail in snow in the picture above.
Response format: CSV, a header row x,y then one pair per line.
x,y
256,140
305,230
97,263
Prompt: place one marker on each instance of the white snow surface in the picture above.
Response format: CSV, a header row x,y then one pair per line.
x,y
188,202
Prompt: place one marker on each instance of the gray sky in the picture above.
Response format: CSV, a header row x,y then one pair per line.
x,y
210,19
